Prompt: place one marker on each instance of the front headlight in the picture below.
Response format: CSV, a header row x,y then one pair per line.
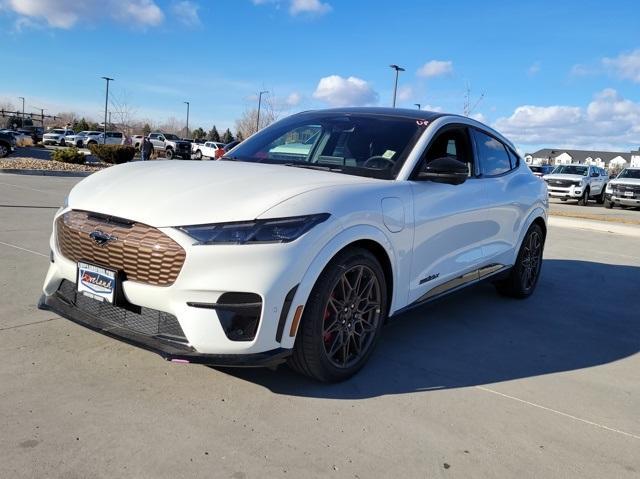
x,y
280,230
609,189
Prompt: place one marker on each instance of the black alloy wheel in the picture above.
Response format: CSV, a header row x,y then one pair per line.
x,y
343,317
524,275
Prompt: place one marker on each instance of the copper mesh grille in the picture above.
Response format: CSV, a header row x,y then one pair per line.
x,y
145,254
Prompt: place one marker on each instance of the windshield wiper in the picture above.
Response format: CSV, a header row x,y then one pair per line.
x,y
313,167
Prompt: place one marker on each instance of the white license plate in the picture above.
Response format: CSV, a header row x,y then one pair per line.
x,y
628,193
96,282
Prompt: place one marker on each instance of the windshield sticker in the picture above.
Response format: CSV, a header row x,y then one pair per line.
x,y
388,154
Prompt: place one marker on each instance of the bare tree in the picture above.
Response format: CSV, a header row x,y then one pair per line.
x,y
246,124
122,111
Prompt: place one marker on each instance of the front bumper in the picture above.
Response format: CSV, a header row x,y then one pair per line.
x,y
623,200
169,350
565,192
52,140
270,271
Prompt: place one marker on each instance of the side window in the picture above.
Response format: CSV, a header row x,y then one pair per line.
x,y
493,156
451,142
153,136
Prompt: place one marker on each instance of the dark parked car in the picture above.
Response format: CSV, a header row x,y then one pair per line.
x,y
7,144
541,170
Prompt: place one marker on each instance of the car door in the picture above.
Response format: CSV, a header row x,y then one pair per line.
x,y
157,140
449,222
507,191
596,181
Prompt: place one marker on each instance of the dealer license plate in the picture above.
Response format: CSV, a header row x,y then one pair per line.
x,y
96,282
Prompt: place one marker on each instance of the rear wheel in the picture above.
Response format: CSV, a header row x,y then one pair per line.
x,y
600,198
198,155
169,154
4,150
342,318
523,278
608,203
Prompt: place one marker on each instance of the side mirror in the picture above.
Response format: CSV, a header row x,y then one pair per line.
x,y
445,170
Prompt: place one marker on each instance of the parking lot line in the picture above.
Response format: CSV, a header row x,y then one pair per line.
x,y
28,324
28,188
539,406
23,249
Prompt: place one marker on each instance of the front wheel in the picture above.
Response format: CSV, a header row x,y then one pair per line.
x,y
600,198
608,204
169,154
342,318
4,150
523,278
584,199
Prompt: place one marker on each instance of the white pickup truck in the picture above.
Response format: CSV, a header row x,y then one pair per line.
x,y
577,182
208,149
624,190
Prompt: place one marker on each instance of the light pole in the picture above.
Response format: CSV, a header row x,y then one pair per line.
x,y
106,104
418,105
187,103
22,122
395,88
259,105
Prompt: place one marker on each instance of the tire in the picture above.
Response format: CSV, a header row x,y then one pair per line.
x,y
600,198
198,155
523,277
608,204
4,150
169,154
320,349
563,199
584,199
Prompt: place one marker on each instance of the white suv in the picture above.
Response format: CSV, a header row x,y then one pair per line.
x,y
577,182
624,190
298,253
209,149
56,136
113,138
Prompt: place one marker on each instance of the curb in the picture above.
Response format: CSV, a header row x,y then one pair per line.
x,y
600,226
23,171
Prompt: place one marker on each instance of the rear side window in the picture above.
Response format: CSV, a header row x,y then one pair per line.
x,y
493,156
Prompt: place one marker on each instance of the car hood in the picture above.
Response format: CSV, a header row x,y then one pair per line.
x,y
625,181
563,176
177,193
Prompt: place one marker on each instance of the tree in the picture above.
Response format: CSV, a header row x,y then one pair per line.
x,y
81,125
213,134
246,124
122,111
227,137
146,129
239,136
198,133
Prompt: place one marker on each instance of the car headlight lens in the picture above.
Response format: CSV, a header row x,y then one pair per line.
x,y
609,189
280,230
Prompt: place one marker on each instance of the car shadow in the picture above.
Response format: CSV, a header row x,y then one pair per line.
x,y
583,314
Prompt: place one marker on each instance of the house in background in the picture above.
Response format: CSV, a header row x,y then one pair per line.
x,y
603,159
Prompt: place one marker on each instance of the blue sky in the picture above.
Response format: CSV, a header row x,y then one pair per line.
x,y
552,73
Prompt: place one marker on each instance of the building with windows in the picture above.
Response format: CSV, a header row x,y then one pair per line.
x,y
603,159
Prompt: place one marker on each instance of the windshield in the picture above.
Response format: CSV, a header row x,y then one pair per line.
x,y
58,132
571,170
169,136
627,173
364,145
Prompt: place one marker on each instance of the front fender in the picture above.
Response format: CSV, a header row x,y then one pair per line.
x,y
324,256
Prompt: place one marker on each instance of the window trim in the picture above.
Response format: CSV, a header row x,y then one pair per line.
x,y
479,160
443,129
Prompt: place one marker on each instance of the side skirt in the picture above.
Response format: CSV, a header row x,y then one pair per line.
x,y
490,272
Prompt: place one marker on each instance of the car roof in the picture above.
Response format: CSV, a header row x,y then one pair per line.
x,y
397,112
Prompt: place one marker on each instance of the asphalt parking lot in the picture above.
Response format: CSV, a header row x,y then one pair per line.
x,y
473,386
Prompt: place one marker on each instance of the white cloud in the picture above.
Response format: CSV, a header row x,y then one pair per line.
x,y
299,7
67,13
338,91
293,99
431,108
625,65
479,117
608,121
435,68
405,93
314,7
534,69
187,13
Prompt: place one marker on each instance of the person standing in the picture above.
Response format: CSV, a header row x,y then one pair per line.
x,y
146,148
